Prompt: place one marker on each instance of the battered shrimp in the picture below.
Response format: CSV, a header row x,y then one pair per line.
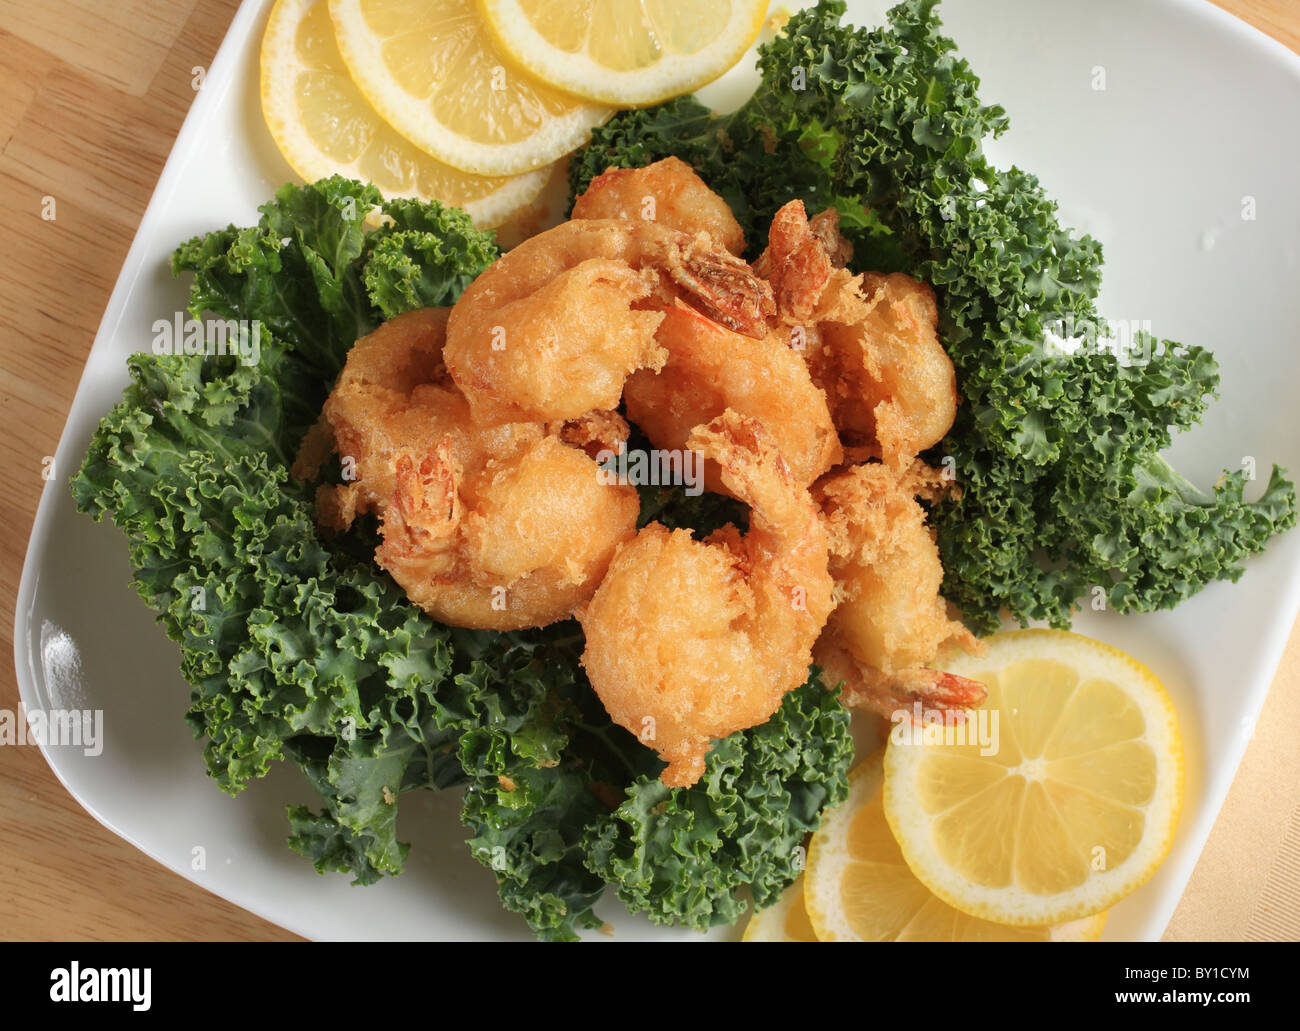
x,y
520,541
553,328
394,393
688,641
668,192
499,527
872,344
891,385
710,369
891,620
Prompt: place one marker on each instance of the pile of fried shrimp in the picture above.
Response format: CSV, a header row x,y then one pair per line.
x,y
472,435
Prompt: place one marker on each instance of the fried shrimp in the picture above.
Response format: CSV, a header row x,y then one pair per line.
x,y
557,351
520,541
553,328
871,340
392,394
594,432
688,641
498,527
668,192
890,621
710,369
890,383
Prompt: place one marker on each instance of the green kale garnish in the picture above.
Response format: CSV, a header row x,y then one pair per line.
x,y
681,854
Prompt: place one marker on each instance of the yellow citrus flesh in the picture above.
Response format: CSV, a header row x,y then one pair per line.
x,y
323,125
784,921
1070,806
628,53
858,887
434,73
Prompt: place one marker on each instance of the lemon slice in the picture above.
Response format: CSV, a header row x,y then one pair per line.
x,y
628,53
323,125
860,889
785,920
431,70
1075,806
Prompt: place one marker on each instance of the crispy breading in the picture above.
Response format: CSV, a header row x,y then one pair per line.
x,y
499,527
688,641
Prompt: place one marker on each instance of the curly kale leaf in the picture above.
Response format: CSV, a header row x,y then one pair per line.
x,y
423,257
295,272
531,791
681,854
293,649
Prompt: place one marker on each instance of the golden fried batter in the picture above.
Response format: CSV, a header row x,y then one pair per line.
x,y
890,621
688,641
871,340
521,541
552,329
890,383
711,369
498,527
668,192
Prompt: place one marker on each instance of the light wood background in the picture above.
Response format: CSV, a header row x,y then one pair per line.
x,y
92,94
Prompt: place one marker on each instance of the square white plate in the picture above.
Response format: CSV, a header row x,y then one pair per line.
x,y
1198,113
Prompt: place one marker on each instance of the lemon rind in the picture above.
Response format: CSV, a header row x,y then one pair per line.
x,y
412,118
574,73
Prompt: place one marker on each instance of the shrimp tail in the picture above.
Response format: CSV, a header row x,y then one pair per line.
x,y
825,226
722,285
796,262
886,693
805,263
933,688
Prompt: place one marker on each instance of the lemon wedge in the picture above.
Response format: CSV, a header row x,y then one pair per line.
x,y
323,125
785,920
860,889
628,53
1071,807
434,74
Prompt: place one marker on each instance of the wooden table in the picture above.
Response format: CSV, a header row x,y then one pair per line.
x,y
92,94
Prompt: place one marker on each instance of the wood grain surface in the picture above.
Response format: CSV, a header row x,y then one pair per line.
x,y
92,94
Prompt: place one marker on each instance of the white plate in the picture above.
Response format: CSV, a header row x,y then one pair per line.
x,y
1199,111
